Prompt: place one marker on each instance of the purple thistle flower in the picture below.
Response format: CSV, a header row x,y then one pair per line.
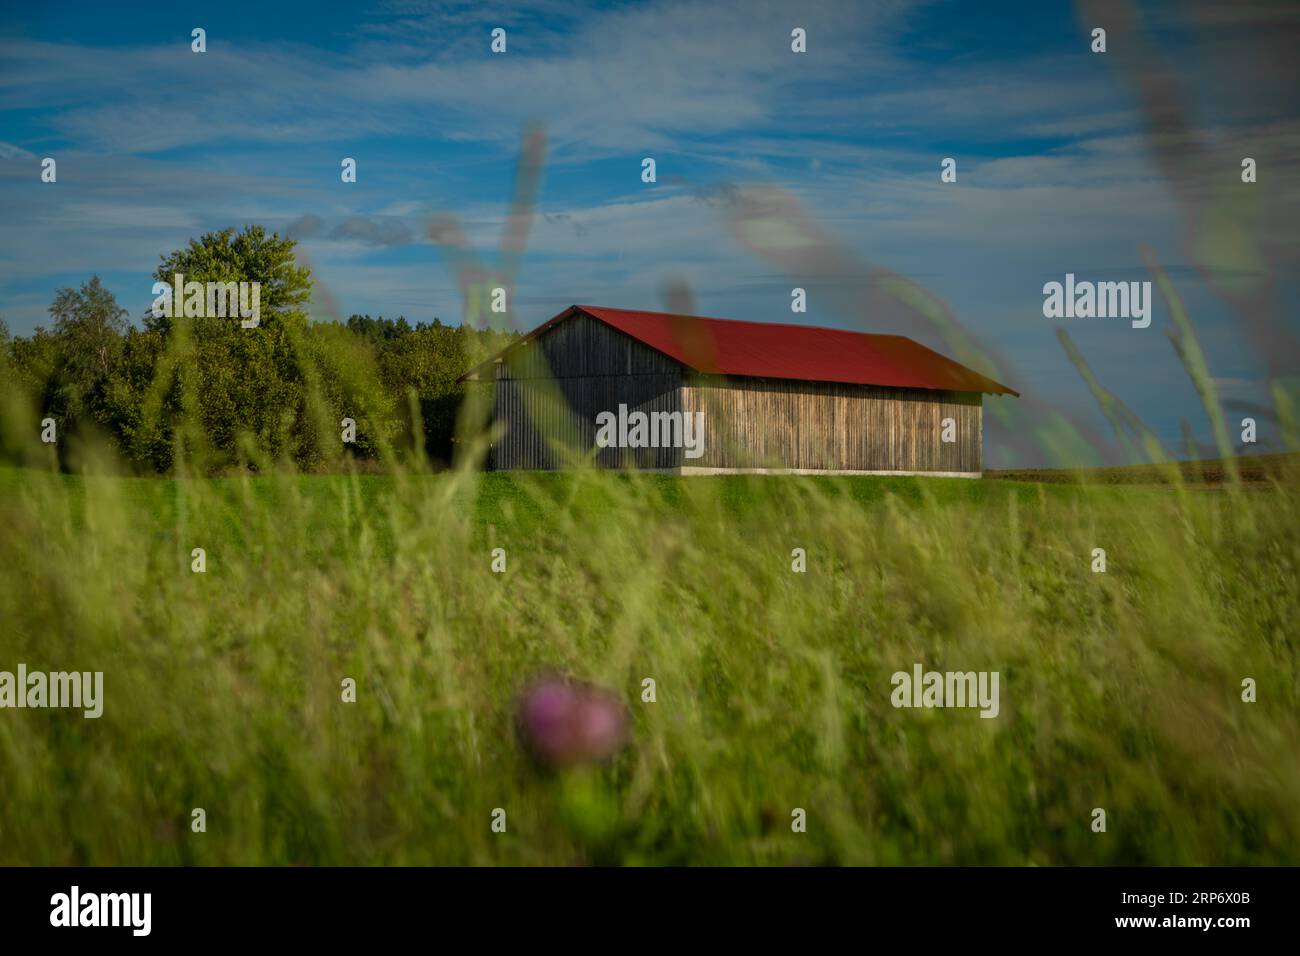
x,y
563,721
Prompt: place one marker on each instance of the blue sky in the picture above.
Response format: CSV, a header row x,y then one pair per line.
x,y
1057,171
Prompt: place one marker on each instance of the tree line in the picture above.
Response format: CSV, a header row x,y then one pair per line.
x,y
203,393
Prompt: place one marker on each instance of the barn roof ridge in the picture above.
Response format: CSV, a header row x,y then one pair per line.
x,y
786,355
799,326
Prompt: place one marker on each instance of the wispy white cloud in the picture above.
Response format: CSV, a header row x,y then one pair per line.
x,y
9,151
626,77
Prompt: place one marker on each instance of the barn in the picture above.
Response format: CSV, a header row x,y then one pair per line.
x,y
692,395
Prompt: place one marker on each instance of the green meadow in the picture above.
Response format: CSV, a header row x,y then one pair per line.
x,y
1121,691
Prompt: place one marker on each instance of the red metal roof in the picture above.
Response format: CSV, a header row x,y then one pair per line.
x,y
780,350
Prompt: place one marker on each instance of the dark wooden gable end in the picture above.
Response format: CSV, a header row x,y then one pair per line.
x,y
553,386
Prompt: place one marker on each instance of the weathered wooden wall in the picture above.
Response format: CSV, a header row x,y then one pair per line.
x,y
762,423
551,389
554,386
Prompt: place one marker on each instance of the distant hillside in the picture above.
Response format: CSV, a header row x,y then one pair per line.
x,y
1255,470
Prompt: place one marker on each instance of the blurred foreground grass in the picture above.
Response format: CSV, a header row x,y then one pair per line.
x,y
222,690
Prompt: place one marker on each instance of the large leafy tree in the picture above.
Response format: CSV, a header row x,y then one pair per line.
x,y
251,255
242,390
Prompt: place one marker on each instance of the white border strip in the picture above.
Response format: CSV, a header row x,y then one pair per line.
x,y
702,470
